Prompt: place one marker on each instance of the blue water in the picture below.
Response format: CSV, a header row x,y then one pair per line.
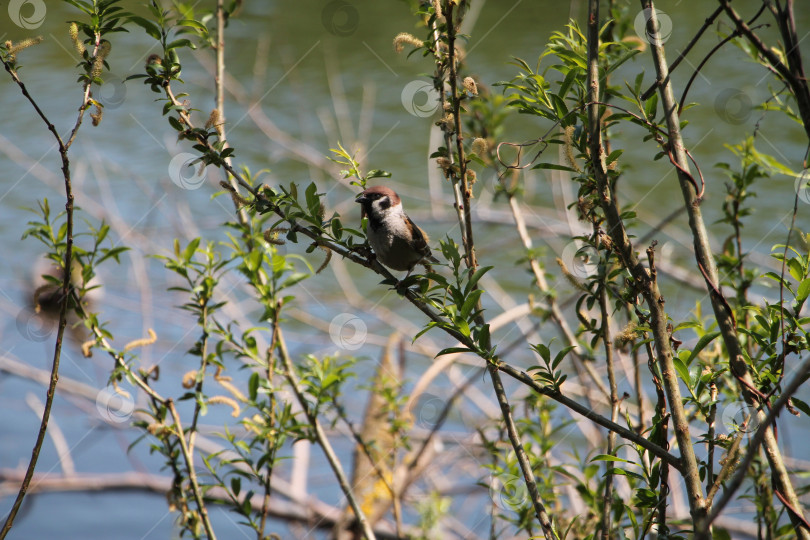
x,y
121,173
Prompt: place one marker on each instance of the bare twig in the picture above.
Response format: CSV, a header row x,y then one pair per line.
x,y
614,410
792,73
66,281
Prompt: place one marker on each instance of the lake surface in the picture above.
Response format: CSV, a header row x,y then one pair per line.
x,y
323,72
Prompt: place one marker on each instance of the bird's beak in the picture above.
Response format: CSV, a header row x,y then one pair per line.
x,y
361,198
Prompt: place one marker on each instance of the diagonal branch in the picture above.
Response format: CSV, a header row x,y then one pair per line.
x,y
320,436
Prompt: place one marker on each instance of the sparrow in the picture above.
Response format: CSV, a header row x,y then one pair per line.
x,y
396,240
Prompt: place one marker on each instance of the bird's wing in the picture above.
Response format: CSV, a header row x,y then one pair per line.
x,y
420,241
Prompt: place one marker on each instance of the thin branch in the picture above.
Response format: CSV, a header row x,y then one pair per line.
x,y
692,42
706,262
219,84
595,417
455,102
553,307
758,439
320,436
460,178
702,63
321,516
143,384
614,410
647,284
792,74
65,295
192,473
448,141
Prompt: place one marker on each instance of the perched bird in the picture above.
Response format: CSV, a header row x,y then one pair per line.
x,y
396,240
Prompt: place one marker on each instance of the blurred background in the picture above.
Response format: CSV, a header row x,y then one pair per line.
x,y
302,77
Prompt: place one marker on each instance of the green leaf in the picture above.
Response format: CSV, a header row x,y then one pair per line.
x,y
651,107
191,248
804,290
253,386
293,279
687,324
553,167
253,260
560,355
424,330
84,6
795,268
700,345
683,371
151,28
566,84
476,277
176,44
191,23
452,350
313,202
543,351
377,173
608,457
470,302
614,156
